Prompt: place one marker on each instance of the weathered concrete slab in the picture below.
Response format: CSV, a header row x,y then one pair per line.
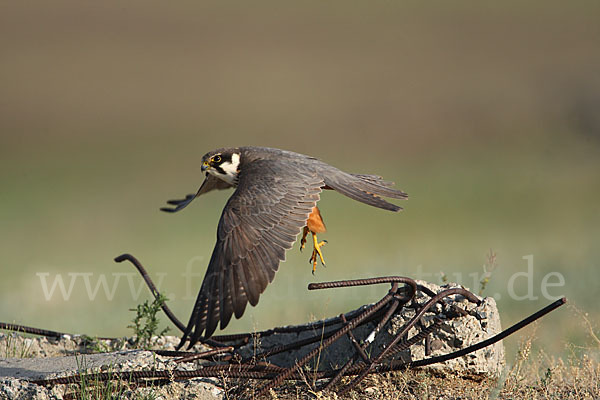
x,y
16,375
18,389
454,334
51,367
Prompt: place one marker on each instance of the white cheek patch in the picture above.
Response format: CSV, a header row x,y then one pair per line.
x,y
230,169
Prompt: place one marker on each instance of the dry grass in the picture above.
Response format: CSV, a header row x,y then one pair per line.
x,y
532,379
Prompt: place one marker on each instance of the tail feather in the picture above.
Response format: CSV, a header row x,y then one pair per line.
x,y
379,187
366,189
374,179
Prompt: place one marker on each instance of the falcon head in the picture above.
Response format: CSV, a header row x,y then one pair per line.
x,y
223,164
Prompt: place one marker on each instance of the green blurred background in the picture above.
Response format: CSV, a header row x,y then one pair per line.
x,y
487,114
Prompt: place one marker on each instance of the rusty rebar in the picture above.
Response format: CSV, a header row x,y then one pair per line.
x,y
424,333
431,293
289,346
31,330
41,332
445,293
351,325
286,329
357,346
204,354
360,349
364,282
309,340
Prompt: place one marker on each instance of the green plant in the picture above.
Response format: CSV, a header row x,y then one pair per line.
x,y
94,344
444,277
150,395
546,379
145,323
90,387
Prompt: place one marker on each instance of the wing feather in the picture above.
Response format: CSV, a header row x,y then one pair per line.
x,y
210,183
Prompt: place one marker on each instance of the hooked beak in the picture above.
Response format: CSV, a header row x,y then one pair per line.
x,y
205,166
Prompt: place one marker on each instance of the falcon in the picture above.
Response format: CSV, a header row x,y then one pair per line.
x,y
275,199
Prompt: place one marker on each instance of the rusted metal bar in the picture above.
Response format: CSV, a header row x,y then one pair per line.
x,y
204,354
357,346
364,282
31,330
309,340
405,344
40,332
281,377
445,293
361,348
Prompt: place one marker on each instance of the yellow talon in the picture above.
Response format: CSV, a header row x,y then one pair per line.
x,y
316,251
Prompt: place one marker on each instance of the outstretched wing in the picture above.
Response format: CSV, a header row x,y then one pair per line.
x,y
259,223
210,183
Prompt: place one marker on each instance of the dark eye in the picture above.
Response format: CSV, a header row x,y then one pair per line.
x,y
217,159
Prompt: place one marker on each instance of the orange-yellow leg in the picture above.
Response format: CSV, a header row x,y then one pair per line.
x,y
314,225
303,240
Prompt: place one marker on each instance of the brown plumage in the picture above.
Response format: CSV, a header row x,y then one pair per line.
x,y
275,198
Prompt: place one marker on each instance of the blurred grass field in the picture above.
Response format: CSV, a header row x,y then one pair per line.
x,y
487,115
